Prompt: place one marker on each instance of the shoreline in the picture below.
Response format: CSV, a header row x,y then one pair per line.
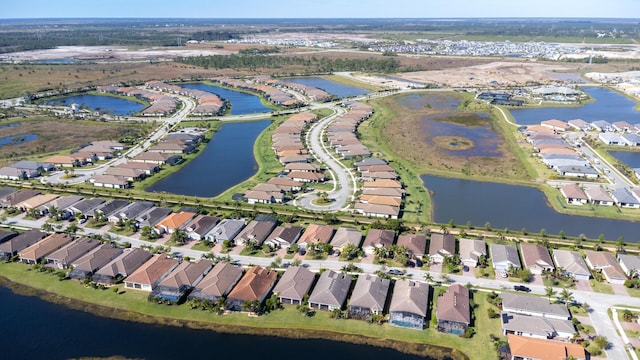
x,y
425,350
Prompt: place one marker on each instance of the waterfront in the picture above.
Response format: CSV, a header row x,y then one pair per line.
x,y
333,88
17,139
100,103
73,334
226,160
608,105
630,158
514,207
241,103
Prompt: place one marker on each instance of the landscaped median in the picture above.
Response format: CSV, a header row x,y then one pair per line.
x,y
132,305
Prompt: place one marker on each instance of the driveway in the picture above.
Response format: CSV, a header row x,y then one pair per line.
x,y
583,285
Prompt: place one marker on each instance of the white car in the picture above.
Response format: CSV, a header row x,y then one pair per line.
x,y
503,274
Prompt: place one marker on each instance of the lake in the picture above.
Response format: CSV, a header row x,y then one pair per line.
x,y
514,207
103,104
37,329
241,103
226,161
17,139
332,87
462,140
609,105
631,158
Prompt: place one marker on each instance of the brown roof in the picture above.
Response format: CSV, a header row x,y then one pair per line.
x,y
45,246
453,305
152,270
317,234
382,184
254,284
415,243
220,279
536,255
187,273
379,238
443,244
381,200
573,191
534,348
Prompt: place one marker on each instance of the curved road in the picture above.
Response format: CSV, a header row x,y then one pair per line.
x,y
344,182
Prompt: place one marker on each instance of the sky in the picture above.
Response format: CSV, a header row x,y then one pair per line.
x,y
318,8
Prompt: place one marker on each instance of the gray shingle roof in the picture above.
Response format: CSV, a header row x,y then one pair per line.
x,y
411,297
370,292
531,304
331,289
295,283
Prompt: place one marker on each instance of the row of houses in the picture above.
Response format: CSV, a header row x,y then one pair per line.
x,y
313,93
263,85
538,329
291,151
208,104
556,153
24,170
161,105
575,194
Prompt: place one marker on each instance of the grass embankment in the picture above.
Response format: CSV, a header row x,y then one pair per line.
x,y
349,81
417,203
133,306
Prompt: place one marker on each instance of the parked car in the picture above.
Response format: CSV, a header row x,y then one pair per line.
x,y
503,274
521,288
395,272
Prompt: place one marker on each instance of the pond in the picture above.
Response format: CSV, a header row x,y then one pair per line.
x,y
225,161
441,102
462,140
75,334
103,104
609,105
515,207
10,125
241,103
332,87
17,139
631,158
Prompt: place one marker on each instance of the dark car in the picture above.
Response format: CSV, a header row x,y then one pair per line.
x,y
394,272
521,288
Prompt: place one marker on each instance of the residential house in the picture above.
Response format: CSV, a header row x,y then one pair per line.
x,y
346,236
111,207
176,286
6,235
377,210
85,207
409,304
152,217
100,256
217,283
453,312
316,234
369,297
157,158
537,327
15,244
330,291
294,285
254,286
59,206
64,256
376,239
471,250
624,198
573,194
504,257
227,229
601,125
416,244
15,198
579,124
441,246
598,196
121,267
283,236
605,263
130,212
174,221
536,258
36,252
147,276
10,173
630,264
257,230
529,348
533,305
110,181
197,228
572,264
263,197
5,193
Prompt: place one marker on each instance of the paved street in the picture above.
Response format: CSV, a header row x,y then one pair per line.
x,y
599,302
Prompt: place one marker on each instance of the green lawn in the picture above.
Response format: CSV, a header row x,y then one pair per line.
x,y
200,246
633,292
479,347
601,287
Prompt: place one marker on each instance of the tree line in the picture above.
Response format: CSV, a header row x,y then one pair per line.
x,y
313,64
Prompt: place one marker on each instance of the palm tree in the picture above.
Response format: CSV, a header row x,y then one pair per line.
x,y
427,277
549,292
566,296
